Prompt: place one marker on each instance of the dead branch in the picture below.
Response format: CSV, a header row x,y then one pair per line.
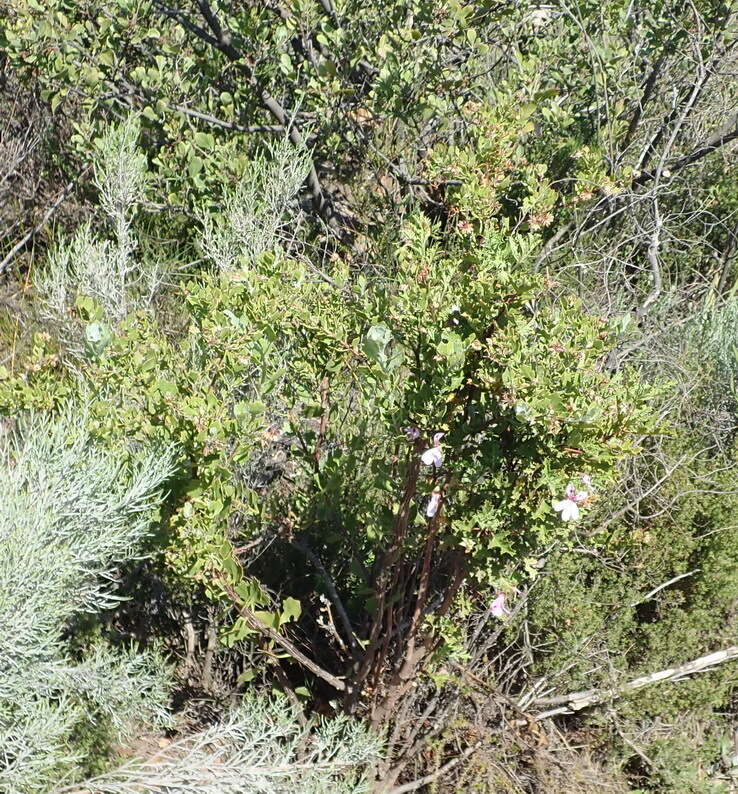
x,y
724,136
332,592
254,623
21,244
576,701
653,259
414,785
661,587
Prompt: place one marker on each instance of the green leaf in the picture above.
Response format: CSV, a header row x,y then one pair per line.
x,y
291,610
246,410
88,308
204,140
270,619
247,675
375,343
97,337
251,593
195,166
107,58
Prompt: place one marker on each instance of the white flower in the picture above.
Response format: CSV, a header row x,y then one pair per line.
x,y
569,506
499,607
434,503
434,455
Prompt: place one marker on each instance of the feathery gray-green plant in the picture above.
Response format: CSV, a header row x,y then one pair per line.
x,y
255,212
259,748
71,512
105,267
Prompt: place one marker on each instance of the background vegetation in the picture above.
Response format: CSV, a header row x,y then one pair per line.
x,y
368,396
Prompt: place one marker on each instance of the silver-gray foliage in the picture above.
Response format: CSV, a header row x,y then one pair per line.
x,y
712,338
101,266
260,748
255,213
70,513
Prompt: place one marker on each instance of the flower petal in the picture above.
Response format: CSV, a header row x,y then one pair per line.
x,y
434,503
568,508
498,607
432,457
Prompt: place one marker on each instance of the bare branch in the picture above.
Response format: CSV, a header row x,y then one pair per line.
x,y
414,785
724,136
21,244
228,125
283,642
653,259
576,701
332,592
661,587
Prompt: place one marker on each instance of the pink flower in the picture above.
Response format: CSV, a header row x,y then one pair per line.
x,y
587,480
434,455
569,506
434,503
412,433
499,607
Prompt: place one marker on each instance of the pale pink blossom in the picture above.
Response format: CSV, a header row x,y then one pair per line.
x,y
587,480
499,607
569,506
434,455
412,433
434,503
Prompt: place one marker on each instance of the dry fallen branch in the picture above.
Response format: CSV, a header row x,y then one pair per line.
x,y
414,785
576,701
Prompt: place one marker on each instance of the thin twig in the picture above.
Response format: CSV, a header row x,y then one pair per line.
x,y
414,785
655,590
332,592
47,215
283,642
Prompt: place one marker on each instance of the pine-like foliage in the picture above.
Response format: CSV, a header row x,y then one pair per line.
x,y
103,264
260,748
256,211
70,513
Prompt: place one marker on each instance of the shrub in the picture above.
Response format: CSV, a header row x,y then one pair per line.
x,y
71,512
